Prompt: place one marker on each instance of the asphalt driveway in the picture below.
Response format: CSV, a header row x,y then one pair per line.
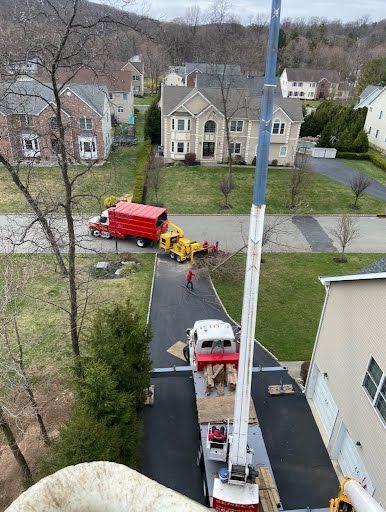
x,y
342,173
303,470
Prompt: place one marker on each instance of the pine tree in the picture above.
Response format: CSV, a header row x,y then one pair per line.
x,y
152,129
361,143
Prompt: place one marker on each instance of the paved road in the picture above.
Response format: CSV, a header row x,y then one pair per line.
x,y
294,234
342,173
299,460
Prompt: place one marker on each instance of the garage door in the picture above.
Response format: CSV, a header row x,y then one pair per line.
x,y
325,404
351,463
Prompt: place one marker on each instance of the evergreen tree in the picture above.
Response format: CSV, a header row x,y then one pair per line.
x,y
152,128
373,73
361,143
121,341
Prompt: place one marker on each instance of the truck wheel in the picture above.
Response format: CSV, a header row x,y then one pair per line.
x,y
172,255
95,232
179,259
141,242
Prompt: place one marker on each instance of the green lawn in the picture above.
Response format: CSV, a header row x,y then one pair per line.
x,y
47,330
290,298
147,99
114,177
196,190
368,168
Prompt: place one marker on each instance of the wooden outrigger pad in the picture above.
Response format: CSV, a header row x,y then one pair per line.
x,y
285,389
268,494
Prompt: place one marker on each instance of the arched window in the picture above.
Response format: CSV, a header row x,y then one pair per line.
x,y
278,127
210,127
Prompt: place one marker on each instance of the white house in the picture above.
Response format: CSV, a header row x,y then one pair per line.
x,y
192,121
374,98
313,84
346,385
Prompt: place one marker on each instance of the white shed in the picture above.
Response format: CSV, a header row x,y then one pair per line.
x,y
324,152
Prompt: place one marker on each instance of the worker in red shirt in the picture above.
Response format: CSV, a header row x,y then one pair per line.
x,y
189,279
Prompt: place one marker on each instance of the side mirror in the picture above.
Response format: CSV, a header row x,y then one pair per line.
x,y
188,332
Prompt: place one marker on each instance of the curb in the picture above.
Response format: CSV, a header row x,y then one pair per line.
x,y
151,289
234,321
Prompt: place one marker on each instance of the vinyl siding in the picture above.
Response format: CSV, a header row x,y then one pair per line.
x,y
352,330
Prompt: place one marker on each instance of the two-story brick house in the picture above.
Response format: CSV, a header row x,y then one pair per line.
x,y
28,127
117,82
192,121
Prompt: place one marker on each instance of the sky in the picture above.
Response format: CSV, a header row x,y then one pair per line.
x,y
346,10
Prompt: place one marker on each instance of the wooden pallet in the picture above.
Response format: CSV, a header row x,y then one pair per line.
x,y
286,389
268,494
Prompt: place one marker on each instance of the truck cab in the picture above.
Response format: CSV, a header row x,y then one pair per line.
x,y
211,342
99,225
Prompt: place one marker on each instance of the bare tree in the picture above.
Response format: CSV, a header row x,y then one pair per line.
x,y
274,227
14,281
299,179
345,232
72,39
359,184
14,447
226,186
154,174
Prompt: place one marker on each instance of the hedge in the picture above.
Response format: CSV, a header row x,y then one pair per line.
x,y
139,193
352,156
377,160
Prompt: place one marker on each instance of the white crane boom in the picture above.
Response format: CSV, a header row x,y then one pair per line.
x,y
239,458
360,498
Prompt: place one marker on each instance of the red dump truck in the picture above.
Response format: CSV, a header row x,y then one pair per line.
x,y
124,220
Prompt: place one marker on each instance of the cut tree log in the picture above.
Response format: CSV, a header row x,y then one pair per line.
x,y
208,374
218,373
231,376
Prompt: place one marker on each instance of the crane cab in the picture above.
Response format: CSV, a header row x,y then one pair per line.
x,y
211,342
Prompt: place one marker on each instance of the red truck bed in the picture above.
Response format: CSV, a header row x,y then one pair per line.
x,y
132,219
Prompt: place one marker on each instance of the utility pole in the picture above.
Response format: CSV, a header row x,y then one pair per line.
x,y
239,458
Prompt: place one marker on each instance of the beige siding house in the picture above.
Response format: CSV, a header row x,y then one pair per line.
x,y
346,385
375,124
192,121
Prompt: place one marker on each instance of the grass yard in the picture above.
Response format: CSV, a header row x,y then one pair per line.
x,y
196,190
368,168
147,99
116,177
46,326
290,298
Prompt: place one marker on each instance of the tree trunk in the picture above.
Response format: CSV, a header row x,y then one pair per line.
x,y
35,408
14,447
39,214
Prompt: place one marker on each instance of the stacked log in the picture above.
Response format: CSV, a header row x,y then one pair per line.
x,y
231,376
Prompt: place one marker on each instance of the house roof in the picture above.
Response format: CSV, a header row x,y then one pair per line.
x,y
136,65
254,85
312,75
376,270
115,81
368,90
365,101
213,69
31,97
240,101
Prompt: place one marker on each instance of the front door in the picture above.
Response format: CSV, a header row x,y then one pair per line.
x,y
87,148
208,150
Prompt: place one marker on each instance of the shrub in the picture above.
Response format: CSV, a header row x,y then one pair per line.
x,y
304,369
274,162
190,159
152,128
139,194
110,201
238,160
377,160
352,156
